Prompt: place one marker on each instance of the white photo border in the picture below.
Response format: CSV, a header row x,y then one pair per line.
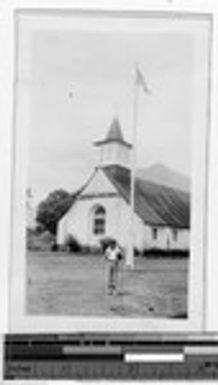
x,y
19,322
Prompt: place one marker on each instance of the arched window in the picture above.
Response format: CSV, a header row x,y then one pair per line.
x,y
99,220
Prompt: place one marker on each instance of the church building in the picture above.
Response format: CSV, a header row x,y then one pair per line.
x,y
102,208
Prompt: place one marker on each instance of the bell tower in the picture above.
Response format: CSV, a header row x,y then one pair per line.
x,y
114,150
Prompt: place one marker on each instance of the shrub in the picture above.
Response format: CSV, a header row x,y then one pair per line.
x,y
63,248
42,241
85,249
179,253
136,252
54,247
40,229
158,253
94,250
72,244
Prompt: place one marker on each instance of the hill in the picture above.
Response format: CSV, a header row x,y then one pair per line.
x,y
163,175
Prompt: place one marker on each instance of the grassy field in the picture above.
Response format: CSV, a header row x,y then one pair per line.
x,y
60,284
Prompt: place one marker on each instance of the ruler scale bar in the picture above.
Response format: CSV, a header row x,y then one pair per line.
x,y
128,338
201,350
88,356
154,357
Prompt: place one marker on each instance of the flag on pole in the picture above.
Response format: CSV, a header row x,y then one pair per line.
x,y
141,81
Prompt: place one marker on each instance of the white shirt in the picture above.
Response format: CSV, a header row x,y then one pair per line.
x,y
111,254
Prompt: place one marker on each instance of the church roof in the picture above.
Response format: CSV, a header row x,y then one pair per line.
x,y
114,134
154,204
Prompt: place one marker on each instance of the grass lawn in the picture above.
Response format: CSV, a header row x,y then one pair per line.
x,y
60,284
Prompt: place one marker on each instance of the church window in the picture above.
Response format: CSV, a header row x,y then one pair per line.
x,y
99,220
154,233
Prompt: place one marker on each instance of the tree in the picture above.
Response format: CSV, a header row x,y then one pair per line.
x,y
51,209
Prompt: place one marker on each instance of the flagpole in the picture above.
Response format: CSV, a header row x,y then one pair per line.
x,y
130,253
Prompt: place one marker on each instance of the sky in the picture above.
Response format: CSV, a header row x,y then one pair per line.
x,y
80,80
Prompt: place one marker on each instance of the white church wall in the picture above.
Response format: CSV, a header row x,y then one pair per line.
x,y
143,234
165,238
62,230
79,220
98,184
125,229
114,153
162,239
181,242
125,156
183,239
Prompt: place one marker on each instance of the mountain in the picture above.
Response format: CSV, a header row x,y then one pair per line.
x,y
161,174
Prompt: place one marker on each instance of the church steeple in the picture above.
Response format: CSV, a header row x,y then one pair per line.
x,y
114,132
114,150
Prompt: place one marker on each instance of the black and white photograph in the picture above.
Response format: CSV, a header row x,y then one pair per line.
x,y
111,124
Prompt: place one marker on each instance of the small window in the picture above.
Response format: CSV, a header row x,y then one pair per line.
x,y
154,233
99,220
175,235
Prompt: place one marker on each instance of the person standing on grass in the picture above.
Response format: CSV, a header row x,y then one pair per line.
x,y
113,255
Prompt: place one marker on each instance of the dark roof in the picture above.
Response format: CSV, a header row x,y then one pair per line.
x,y
114,134
154,204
